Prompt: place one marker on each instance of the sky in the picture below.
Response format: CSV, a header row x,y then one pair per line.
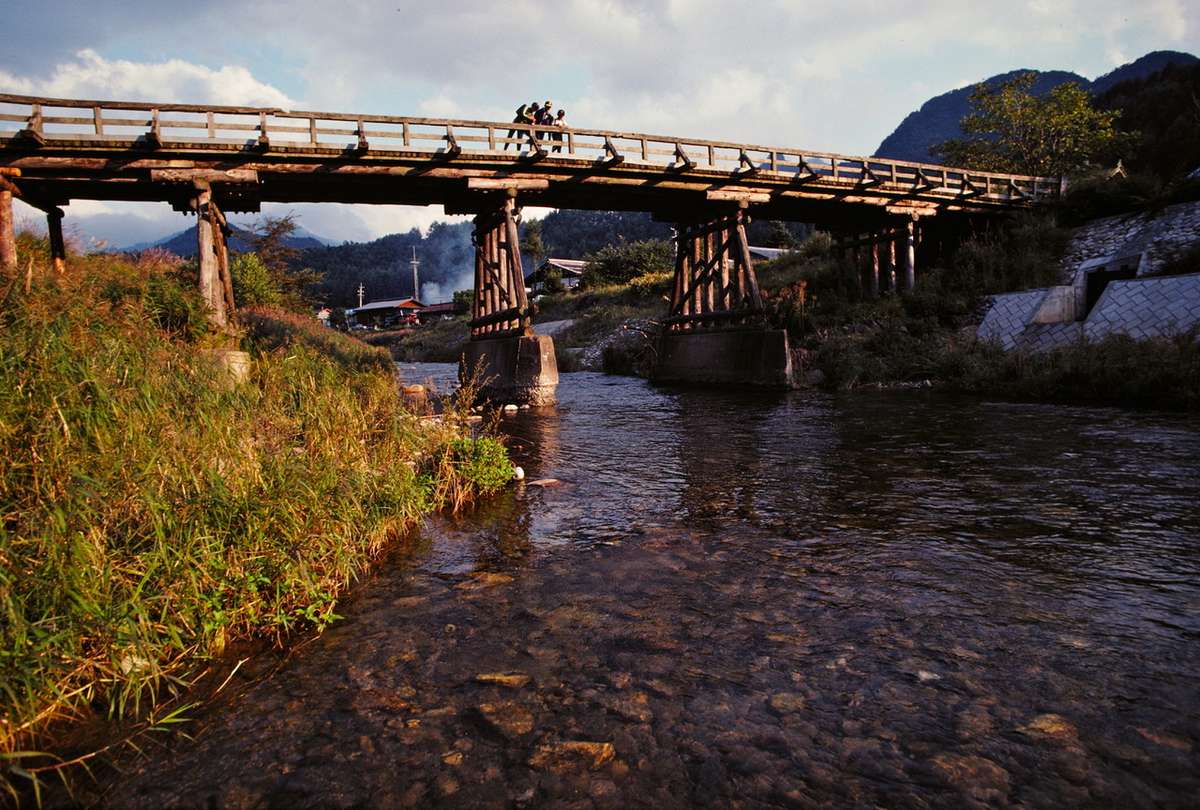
x,y
833,76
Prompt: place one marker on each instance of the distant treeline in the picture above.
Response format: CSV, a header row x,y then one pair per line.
x,y
447,257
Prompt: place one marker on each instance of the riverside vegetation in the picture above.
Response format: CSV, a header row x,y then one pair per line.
x,y
154,512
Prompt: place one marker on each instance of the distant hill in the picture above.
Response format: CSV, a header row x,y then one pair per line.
x,y
184,242
938,118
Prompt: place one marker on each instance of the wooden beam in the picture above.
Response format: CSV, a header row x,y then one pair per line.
x,y
506,183
8,242
211,289
58,246
209,175
910,255
721,195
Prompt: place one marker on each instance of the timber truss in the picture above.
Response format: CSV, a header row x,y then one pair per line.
x,y
715,285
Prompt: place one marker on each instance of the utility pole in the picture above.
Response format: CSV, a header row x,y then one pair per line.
x,y
360,295
415,264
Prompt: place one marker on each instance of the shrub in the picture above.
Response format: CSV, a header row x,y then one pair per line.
x,y
617,264
253,283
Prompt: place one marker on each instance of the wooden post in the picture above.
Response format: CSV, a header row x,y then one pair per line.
x,y
8,242
891,274
910,255
874,265
211,289
58,247
221,246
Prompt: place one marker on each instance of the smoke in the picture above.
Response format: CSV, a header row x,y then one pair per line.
x,y
434,292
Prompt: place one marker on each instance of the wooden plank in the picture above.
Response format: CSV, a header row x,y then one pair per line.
x,y
211,175
720,195
506,183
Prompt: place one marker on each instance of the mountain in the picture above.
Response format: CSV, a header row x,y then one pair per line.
x,y
382,266
938,118
183,243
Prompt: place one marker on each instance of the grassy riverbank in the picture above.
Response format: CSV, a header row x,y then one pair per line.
x,y
153,511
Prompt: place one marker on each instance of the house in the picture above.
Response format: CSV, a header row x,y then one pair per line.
x,y
569,270
384,314
433,312
766,254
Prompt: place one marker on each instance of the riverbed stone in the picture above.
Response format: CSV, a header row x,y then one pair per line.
x,y
512,680
570,754
508,718
976,776
1050,726
783,703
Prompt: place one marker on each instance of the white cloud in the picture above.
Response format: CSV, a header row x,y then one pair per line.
x,y
91,75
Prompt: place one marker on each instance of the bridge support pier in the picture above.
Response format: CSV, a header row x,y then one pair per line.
x,y
716,332
212,255
8,242
516,366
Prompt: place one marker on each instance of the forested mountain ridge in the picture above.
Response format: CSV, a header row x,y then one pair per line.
x,y
938,118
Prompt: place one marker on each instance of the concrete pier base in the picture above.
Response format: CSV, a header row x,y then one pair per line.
x,y
517,370
751,357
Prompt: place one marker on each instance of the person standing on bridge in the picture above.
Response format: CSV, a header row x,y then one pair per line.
x,y
560,123
545,116
526,114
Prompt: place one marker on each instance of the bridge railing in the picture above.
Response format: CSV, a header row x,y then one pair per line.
x,y
41,121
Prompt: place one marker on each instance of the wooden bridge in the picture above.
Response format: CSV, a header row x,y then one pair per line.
x,y
210,160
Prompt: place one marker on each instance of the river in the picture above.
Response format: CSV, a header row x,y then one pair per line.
x,y
887,599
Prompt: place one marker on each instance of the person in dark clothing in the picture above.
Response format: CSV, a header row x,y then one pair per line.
x,y
560,123
545,116
526,114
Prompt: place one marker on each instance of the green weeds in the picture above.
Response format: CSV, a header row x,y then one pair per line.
x,y
151,512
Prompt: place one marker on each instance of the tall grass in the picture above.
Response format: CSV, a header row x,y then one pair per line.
x,y
151,512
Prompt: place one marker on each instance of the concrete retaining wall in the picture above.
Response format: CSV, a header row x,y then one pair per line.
x,y
750,357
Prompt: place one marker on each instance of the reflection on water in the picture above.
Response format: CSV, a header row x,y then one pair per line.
x,y
893,599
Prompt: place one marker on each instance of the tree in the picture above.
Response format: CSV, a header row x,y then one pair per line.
x,y
618,264
253,284
1012,130
270,240
531,243
463,300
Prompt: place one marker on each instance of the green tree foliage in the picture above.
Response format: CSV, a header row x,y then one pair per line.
x,y
618,264
1164,109
531,242
552,280
270,239
254,285
463,300
1012,130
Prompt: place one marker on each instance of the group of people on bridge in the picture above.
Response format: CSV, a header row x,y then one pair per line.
x,y
541,115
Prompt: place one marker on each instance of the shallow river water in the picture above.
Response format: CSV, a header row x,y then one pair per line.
x,y
893,599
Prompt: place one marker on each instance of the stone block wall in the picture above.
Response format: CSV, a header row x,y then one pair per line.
x,y
1155,237
1008,316
1146,308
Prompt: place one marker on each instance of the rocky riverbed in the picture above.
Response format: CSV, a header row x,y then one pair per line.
x,y
898,599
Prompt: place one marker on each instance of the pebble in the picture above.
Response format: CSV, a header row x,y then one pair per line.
x,y
518,474
510,408
786,702
1049,725
513,680
507,717
562,756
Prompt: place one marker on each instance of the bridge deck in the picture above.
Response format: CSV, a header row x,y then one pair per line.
x,y
55,150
